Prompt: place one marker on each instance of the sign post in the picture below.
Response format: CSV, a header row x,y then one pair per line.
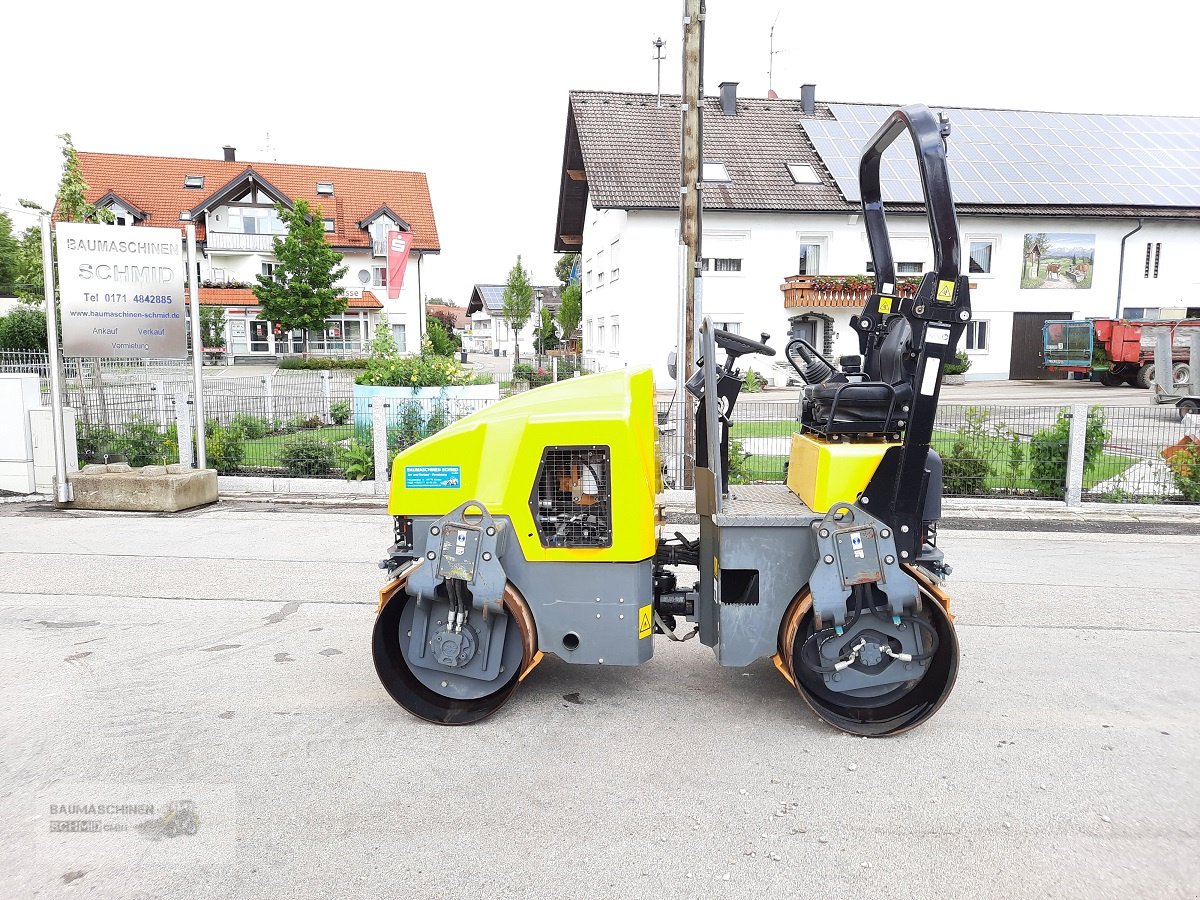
x,y
121,293
197,348
62,488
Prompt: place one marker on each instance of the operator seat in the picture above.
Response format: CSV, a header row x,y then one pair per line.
x,y
877,404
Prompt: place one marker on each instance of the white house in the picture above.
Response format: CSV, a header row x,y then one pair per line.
x,y
233,203
1110,205
490,333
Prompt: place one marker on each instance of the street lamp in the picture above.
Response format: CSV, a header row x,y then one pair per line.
x,y
538,340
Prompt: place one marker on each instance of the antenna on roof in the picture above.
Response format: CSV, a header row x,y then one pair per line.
x,y
771,57
268,153
659,43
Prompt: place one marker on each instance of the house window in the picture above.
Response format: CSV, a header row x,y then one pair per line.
x,y
379,276
803,174
268,269
330,226
616,335
902,268
600,334
591,333
1140,313
725,264
810,259
254,195
1156,249
253,220
976,335
714,171
401,340
588,282
600,279
981,257
195,182
217,274
325,187
616,268
731,327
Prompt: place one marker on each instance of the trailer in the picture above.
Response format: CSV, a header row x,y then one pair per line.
x,y
1116,351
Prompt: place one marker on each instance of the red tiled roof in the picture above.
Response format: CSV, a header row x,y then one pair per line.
x,y
155,183
460,314
245,297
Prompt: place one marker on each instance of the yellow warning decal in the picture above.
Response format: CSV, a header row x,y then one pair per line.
x,y
945,292
645,621
885,305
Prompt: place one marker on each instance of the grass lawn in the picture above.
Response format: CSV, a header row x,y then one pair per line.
x,y
995,449
265,451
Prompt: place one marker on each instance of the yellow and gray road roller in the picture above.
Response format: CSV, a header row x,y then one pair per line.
x,y
530,527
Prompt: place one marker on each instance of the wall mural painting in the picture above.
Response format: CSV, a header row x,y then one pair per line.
x,y
1058,261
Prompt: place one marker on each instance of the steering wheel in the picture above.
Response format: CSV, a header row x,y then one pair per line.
x,y
736,345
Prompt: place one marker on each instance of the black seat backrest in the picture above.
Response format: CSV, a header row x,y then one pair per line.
x,y
889,363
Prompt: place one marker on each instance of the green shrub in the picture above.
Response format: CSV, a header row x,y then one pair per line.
x,y
357,460
142,444
416,423
754,382
308,456
1048,451
224,447
297,422
24,328
965,471
1185,470
293,363
522,371
339,412
961,364
251,426
739,463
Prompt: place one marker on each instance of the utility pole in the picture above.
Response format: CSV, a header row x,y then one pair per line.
x,y
690,228
659,43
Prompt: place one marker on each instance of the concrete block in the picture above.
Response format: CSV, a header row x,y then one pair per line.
x,y
149,489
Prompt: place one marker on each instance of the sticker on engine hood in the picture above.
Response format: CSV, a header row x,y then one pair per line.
x,y
432,476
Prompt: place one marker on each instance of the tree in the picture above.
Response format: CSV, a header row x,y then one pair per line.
x,y
71,203
300,292
562,266
518,303
445,317
440,301
570,311
23,328
546,338
10,263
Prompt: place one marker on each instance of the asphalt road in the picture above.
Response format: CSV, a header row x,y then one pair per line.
x,y
222,657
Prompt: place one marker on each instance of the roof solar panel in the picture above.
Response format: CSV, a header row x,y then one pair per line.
x,y
1024,157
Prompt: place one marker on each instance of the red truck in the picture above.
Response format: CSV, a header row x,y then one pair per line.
x,y
1115,351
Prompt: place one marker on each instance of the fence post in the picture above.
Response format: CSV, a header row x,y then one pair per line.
x,y
326,375
183,422
1194,363
554,369
269,395
1164,376
379,444
160,404
1075,450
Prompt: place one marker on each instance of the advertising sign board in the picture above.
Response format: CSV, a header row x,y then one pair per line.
x,y
121,291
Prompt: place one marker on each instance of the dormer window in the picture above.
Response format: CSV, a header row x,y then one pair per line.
x,y
714,171
802,173
325,187
195,182
330,226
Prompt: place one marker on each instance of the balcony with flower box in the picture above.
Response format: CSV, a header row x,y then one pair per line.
x,y
846,291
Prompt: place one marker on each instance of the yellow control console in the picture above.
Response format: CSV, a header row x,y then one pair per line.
x,y
822,474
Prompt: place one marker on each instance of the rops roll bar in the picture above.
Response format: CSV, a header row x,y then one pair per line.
x,y
928,135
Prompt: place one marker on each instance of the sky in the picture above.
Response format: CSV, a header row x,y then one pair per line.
x,y
474,94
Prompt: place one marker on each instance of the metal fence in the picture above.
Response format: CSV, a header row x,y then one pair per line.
x,y
307,424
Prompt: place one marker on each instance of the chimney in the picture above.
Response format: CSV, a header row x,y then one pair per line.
x,y
230,153
808,99
729,98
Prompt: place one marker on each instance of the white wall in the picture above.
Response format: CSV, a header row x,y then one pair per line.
x,y
645,298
